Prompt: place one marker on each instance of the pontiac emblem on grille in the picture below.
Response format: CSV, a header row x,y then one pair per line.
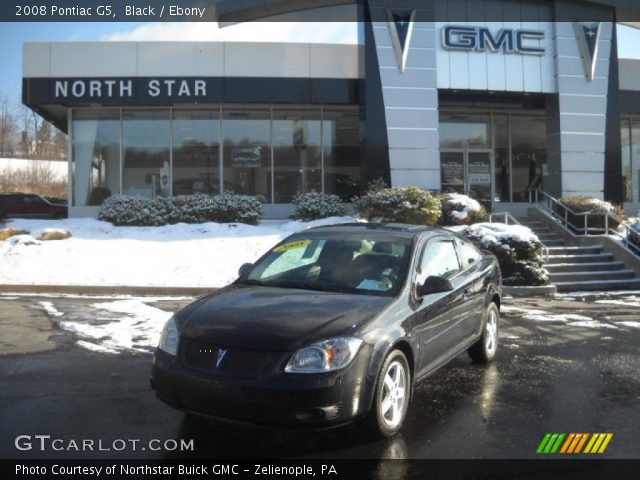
x,y
221,353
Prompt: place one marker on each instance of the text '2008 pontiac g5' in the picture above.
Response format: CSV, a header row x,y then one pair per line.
x,y
334,324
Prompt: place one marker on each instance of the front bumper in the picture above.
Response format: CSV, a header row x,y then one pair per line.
x,y
274,399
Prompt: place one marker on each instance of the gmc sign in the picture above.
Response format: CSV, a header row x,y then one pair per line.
x,y
481,39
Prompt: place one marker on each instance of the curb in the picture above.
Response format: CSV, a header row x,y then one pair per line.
x,y
106,290
529,291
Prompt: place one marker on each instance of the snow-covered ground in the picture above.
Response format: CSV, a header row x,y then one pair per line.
x,y
98,253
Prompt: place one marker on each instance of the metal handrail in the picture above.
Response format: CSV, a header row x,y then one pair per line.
x,y
548,202
508,217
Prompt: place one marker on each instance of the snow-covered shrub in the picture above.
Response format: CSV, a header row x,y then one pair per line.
x,y
189,208
517,249
313,206
197,208
223,208
458,209
399,204
135,211
232,208
595,206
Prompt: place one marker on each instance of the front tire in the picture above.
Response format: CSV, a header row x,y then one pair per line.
x,y
392,395
484,350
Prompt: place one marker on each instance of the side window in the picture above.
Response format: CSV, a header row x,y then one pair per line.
x,y
32,200
439,259
470,253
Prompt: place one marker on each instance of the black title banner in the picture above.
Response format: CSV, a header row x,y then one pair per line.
x,y
231,11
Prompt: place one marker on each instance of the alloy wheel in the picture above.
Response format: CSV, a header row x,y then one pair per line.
x,y
394,397
491,333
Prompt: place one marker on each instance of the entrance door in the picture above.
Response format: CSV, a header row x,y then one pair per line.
x,y
468,172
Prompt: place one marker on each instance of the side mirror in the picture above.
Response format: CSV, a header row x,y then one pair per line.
x,y
244,269
434,284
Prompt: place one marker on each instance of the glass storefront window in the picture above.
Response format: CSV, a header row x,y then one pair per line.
x,y
161,152
196,152
341,144
95,156
145,146
296,153
465,130
528,154
247,152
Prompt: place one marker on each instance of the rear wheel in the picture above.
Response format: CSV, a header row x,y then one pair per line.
x,y
391,398
484,350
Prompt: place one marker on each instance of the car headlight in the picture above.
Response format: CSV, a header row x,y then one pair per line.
x,y
325,356
169,337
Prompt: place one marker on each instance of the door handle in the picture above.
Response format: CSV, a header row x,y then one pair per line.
x,y
466,295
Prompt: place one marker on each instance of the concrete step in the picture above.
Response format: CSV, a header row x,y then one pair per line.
x,y
547,236
590,250
553,243
556,277
603,285
601,257
584,267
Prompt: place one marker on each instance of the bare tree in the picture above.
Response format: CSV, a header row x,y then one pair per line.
x,y
8,127
38,176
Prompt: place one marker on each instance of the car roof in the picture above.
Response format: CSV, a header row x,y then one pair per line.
x,y
401,229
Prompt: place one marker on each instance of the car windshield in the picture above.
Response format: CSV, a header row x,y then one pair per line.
x,y
368,263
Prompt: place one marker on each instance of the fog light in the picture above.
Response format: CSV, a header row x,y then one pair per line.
x,y
310,414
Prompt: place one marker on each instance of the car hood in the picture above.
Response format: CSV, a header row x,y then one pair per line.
x,y
276,319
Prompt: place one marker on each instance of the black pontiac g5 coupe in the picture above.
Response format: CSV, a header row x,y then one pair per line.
x,y
333,324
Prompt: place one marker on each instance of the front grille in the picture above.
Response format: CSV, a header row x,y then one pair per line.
x,y
219,360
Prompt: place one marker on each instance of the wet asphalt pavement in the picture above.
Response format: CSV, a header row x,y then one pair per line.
x,y
567,364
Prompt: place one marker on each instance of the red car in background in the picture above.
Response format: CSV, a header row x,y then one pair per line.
x,y
29,205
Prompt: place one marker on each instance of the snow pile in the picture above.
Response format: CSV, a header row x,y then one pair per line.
x,y
121,324
458,209
98,253
500,233
20,241
571,319
601,205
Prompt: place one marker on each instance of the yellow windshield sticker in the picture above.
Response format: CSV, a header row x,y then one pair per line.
x,y
291,245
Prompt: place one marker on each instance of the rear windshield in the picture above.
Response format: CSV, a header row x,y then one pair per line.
x,y
370,264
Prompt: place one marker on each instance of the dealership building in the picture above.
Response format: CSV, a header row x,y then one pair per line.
x,y
494,109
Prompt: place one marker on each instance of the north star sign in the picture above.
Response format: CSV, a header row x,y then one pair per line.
x,y
123,88
481,39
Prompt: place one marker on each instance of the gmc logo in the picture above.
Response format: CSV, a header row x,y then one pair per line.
x,y
481,39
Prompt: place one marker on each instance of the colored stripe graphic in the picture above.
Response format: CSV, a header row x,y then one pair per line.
x,y
573,443
550,443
